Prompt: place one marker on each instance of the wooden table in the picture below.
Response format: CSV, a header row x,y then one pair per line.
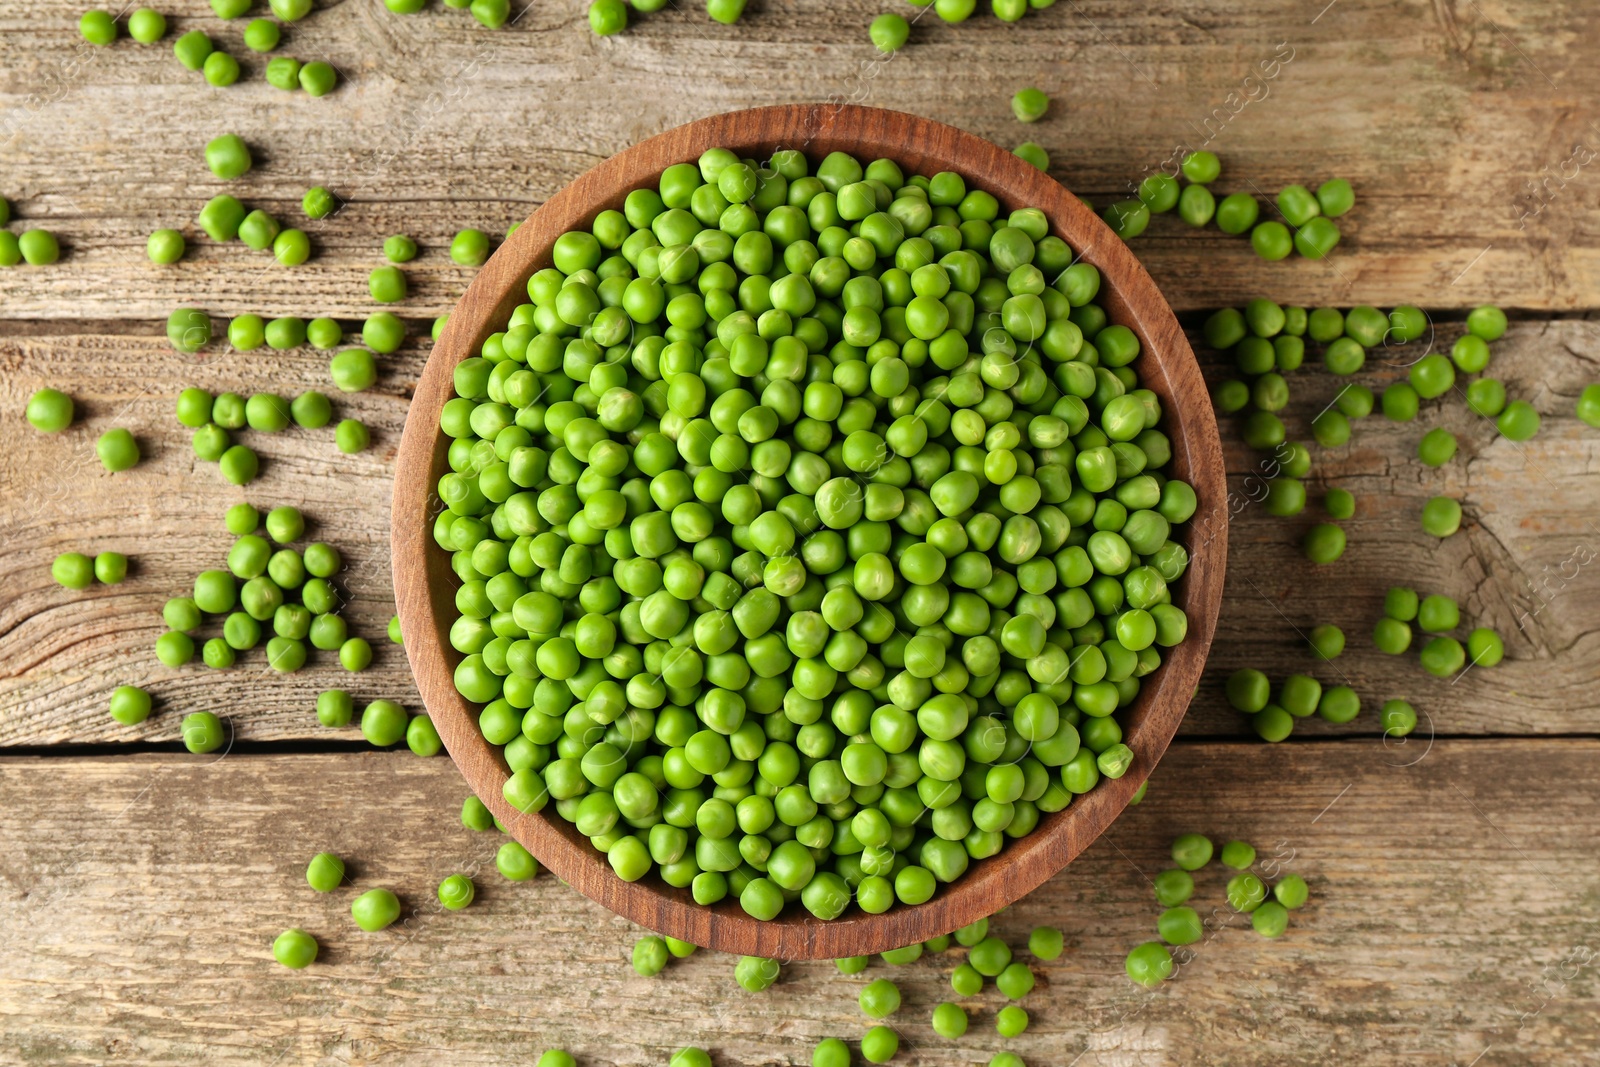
x,y
1454,881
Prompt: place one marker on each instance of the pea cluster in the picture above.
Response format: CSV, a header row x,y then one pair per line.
x,y
258,586
1249,691
491,13
197,51
74,570
651,953
1307,227
962,10
224,218
34,247
212,418
1151,963
609,17
810,530
1438,615
371,911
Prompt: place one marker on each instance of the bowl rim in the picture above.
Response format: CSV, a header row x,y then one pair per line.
x,y
423,579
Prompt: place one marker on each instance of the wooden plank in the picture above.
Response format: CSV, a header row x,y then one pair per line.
x,y
1459,125
1522,563
1450,919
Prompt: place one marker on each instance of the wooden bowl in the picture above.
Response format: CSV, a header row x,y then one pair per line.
x,y
424,583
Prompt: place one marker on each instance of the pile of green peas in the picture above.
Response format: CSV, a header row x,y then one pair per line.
x,y
988,958
213,417
490,13
811,531
1179,925
224,218
383,722
609,17
1300,696
195,50
1438,615
290,590
1309,216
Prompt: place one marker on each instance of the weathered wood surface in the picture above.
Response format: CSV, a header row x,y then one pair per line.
x,y
1524,562
1451,917
1453,895
1464,126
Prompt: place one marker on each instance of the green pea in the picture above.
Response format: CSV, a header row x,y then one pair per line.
x,y
202,732
1485,647
325,872
1149,964
1291,891
469,248
1335,197
375,909
1339,704
880,1043
889,32
1191,851
1518,421
1441,516
130,705
1173,887
1397,717
192,49
295,949
1443,656
1201,167
1327,641
1487,322
1323,543
1033,154
949,1021
261,35
50,410
1237,213
318,78
228,156
117,449
1180,926
1248,690
147,26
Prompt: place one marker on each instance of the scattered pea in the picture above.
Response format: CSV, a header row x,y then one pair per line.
x,y
1149,964
202,730
295,949
1045,942
50,410
325,872
375,909
228,156
117,449
130,705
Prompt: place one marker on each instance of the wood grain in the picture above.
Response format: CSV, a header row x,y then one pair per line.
x,y
425,590
1458,134
1512,566
1451,912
